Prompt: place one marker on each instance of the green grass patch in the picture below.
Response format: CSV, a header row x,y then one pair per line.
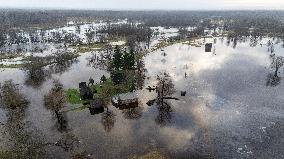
x,y
107,89
11,66
9,56
99,91
97,45
163,44
73,96
83,48
102,91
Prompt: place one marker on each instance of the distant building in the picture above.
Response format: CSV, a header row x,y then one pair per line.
x,y
85,91
208,47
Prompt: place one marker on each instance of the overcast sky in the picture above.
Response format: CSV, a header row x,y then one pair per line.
x,y
145,4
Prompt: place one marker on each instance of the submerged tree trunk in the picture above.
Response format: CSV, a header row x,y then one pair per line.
x,y
162,97
58,115
276,71
171,98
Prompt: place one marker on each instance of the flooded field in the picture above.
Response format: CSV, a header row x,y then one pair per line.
x,y
225,104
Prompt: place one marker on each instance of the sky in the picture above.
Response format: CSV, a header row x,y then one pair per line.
x,y
145,4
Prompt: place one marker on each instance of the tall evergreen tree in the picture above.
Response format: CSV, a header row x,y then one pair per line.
x,y
129,59
117,59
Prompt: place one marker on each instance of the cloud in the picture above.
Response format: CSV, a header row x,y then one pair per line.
x,y
262,4
146,4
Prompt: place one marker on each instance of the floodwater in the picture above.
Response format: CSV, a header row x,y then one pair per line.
x,y
46,42
229,111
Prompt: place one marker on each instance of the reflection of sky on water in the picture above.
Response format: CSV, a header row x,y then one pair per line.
x,y
224,112
227,91
80,72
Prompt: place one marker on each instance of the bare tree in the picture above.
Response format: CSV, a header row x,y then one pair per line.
x,y
55,101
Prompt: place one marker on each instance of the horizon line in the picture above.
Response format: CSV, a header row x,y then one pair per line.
x,y
134,9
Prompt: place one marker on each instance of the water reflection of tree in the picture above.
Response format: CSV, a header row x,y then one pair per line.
x,y
36,69
133,113
164,89
10,96
68,142
272,80
108,120
36,74
276,63
101,60
61,67
165,114
235,42
24,142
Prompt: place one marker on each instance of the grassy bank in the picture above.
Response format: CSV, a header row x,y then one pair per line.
x,y
83,48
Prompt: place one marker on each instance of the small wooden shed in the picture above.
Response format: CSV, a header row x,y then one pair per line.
x,y
85,91
208,47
